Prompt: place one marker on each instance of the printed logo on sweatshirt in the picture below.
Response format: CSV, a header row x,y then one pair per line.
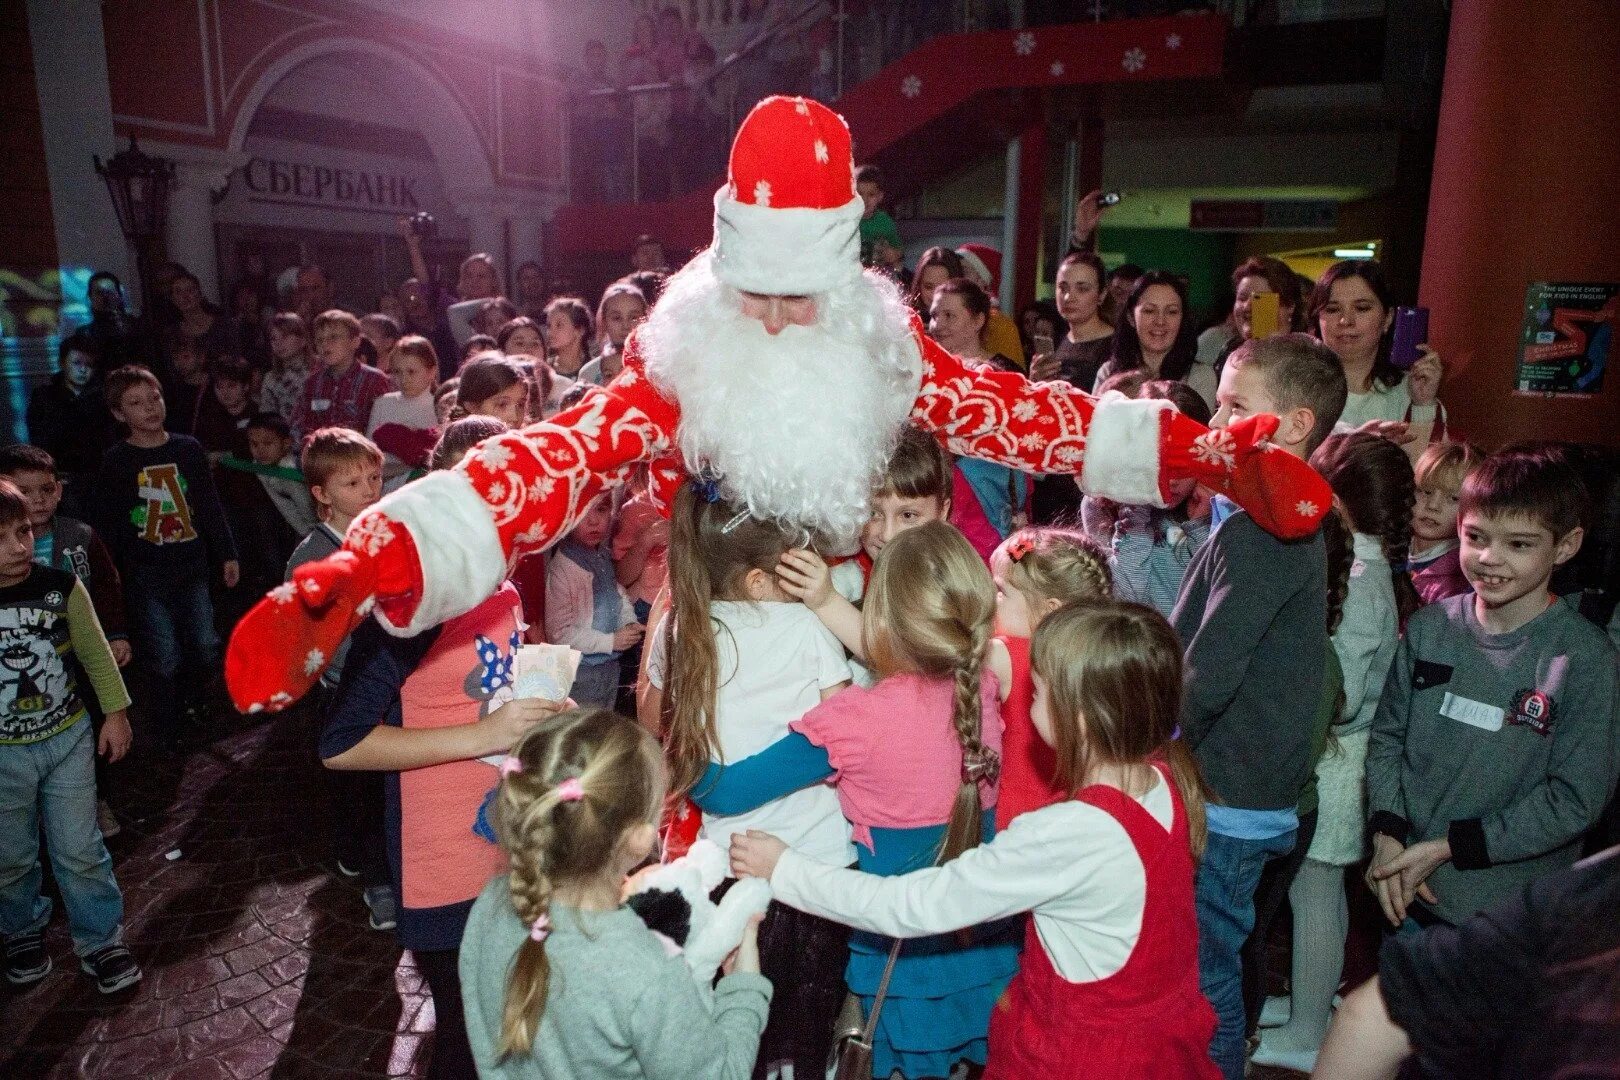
x,y
1533,709
164,515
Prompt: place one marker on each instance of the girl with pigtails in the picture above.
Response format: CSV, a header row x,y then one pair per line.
x,y
560,978
738,660
914,761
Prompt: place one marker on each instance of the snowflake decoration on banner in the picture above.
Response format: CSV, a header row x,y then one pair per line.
x,y
911,86
1135,60
821,152
1215,447
1172,41
1057,69
1024,43
1306,508
762,193
313,662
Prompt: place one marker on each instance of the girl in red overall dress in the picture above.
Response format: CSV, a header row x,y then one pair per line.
x,y
1108,987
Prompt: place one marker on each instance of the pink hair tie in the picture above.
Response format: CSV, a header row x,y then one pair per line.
x,y
511,766
571,790
540,929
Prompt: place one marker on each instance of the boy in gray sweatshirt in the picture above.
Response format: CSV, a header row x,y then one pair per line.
x,y
1497,740
1253,618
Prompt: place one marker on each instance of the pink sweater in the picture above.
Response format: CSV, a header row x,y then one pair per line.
x,y
896,758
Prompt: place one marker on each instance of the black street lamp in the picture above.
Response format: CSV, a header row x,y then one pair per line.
x,y
139,185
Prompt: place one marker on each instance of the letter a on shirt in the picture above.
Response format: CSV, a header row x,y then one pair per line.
x,y
163,516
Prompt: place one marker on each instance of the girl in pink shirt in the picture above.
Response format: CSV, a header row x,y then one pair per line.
x,y
914,760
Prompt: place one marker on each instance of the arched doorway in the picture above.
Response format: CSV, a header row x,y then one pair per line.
x,y
341,137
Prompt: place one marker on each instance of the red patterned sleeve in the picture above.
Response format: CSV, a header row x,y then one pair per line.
x,y
1128,451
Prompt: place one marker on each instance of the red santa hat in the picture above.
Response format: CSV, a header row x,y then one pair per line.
x,y
788,220
983,264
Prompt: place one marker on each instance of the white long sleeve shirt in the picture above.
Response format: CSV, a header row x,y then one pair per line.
x,y
1072,864
570,604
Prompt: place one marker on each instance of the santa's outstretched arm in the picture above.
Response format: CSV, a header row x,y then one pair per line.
x,y
439,546
1128,451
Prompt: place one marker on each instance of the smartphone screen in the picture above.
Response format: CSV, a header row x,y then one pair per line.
x,y
1042,344
1264,315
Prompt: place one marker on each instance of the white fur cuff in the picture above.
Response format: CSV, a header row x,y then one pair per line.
x,y
456,541
1122,450
785,251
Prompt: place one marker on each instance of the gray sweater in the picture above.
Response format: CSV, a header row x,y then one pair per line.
x,y
618,1005
1506,744
1253,619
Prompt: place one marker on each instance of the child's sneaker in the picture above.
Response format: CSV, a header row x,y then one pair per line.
x,y
112,967
384,910
106,821
26,959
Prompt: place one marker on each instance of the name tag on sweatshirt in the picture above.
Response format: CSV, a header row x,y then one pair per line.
x,y
1474,713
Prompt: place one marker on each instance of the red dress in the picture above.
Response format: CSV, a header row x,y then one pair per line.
x,y
1148,1020
1028,765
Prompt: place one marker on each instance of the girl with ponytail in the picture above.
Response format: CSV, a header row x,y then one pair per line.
x,y
915,762
733,664
560,979
1109,980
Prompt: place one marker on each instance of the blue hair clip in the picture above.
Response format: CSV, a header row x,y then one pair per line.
x,y
708,486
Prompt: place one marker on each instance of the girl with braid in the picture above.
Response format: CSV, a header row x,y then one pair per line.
x,y
1036,571
1108,985
561,979
914,761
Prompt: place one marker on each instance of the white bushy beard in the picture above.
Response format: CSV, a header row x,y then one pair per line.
x,y
799,425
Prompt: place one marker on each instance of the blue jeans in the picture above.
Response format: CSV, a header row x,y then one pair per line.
x,y
54,782
1227,879
174,622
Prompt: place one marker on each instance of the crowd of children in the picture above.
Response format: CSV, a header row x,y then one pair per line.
x,y
1145,729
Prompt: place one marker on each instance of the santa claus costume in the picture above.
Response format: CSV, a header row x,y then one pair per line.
x,y
797,421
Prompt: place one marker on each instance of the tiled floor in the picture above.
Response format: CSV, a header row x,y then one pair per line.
x,y
258,958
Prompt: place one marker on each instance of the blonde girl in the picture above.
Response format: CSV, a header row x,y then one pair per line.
x,y
560,979
1036,571
914,760
739,660
1108,985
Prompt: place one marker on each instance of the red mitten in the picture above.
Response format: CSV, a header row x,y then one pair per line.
x,y
1284,495
282,645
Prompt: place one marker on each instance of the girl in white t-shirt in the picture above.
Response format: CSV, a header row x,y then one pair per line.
x,y
740,660
403,422
1108,985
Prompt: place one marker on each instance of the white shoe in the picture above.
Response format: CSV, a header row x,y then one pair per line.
x,y
1302,1061
1276,1011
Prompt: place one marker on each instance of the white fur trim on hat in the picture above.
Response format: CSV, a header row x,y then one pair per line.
x,y
1122,449
786,250
975,267
455,537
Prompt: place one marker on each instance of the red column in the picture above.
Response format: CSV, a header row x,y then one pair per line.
x,y
1031,205
1525,188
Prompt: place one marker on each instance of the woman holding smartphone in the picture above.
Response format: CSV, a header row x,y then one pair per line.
x,y
1353,312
